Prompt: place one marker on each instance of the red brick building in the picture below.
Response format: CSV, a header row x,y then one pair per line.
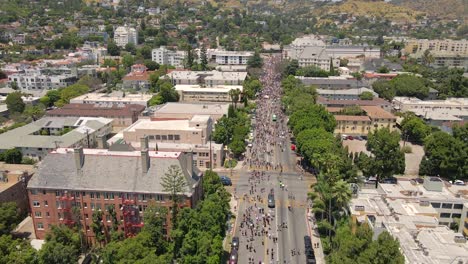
x,y
71,184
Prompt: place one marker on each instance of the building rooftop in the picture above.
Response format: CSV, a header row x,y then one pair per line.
x,y
376,101
105,170
231,53
207,75
447,102
112,97
376,112
24,136
352,91
215,89
110,110
410,190
351,118
193,108
174,124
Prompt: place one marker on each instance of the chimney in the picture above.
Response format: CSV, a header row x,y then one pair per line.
x,y
145,160
101,142
79,157
189,157
144,143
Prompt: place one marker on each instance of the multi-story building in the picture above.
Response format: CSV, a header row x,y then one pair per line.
x,y
224,57
197,93
37,80
115,98
345,94
37,139
137,79
446,53
122,115
73,184
344,103
206,78
13,181
333,82
164,56
181,135
418,216
375,118
188,110
124,35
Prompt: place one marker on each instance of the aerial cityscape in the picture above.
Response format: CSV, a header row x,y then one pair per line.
x,y
233,132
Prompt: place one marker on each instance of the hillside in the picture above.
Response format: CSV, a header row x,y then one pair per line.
x,y
450,9
373,9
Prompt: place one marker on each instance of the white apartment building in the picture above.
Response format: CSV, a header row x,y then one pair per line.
x,y
206,78
124,35
37,80
115,98
162,55
409,103
224,57
197,93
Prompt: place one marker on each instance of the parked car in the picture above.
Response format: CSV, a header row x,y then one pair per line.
x,y
344,137
358,138
235,243
309,251
233,258
371,180
390,180
226,181
459,182
418,180
364,137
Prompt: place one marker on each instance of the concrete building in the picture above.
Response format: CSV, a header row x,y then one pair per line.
x,y
406,211
98,179
446,53
124,35
137,78
37,139
333,82
344,94
224,57
164,56
188,110
197,93
434,112
343,103
13,181
353,51
206,78
38,80
375,118
122,115
182,135
115,98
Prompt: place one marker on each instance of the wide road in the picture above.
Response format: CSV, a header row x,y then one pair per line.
x,y
272,234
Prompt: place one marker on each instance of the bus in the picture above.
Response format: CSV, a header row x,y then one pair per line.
x,y
273,118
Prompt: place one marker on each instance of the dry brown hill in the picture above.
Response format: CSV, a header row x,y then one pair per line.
x,y
446,9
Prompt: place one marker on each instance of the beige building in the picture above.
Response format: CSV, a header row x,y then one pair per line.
x,y
188,110
206,78
115,98
197,93
183,135
446,53
375,118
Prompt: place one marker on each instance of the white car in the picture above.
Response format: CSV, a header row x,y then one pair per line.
x,y
459,182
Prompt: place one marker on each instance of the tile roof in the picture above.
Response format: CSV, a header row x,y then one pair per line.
x,y
377,112
375,102
351,118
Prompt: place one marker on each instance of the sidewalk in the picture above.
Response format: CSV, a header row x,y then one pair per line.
x,y
234,204
315,237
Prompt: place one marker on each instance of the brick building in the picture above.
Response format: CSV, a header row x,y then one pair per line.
x,y
71,184
13,181
122,115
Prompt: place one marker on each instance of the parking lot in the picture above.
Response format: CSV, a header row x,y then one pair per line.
x,y
412,159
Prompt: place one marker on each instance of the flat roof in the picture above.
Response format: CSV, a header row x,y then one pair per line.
x,y
211,109
198,88
102,97
180,124
207,75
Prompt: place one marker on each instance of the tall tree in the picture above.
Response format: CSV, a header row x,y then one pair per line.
x,y
203,58
255,61
234,94
14,103
9,217
13,156
388,159
62,246
427,59
174,183
190,57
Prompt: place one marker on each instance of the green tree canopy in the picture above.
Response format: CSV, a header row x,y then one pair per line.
x,y
255,61
13,156
16,251
388,159
9,217
415,128
366,96
14,103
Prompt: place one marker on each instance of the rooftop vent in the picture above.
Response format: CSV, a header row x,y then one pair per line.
x,y
459,239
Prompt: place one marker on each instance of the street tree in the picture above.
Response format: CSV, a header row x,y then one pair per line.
x,y
174,183
387,158
14,103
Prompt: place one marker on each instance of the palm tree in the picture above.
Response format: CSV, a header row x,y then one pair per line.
x,y
427,58
234,94
341,194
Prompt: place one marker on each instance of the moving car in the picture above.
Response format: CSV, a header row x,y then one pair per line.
x,y
271,200
226,181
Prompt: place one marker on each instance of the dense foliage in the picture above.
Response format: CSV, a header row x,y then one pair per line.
x,y
402,85
232,130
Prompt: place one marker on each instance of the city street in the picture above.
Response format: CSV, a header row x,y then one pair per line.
x,y
271,230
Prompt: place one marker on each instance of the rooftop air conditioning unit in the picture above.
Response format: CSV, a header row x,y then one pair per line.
x,y
459,239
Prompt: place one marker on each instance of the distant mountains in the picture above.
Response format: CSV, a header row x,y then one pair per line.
x,y
446,9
